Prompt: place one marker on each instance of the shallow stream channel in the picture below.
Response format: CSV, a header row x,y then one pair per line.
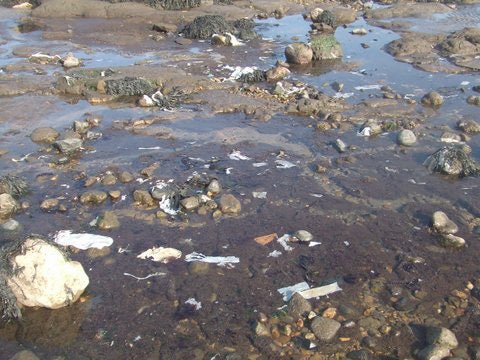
x,y
304,183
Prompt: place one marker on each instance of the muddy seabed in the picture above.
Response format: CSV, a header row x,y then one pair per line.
x,y
369,207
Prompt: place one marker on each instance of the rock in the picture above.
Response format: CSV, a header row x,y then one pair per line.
x,y
68,146
469,126
303,235
450,137
433,98
214,187
325,17
261,329
375,127
204,27
174,4
150,169
325,329
129,86
452,161
25,355
299,53
190,203
315,13
49,204
298,305
11,225
229,204
253,77
81,127
43,276
198,268
340,146
13,185
326,47
70,61
441,336
277,73
115,194
94,197
433,352
450,240
8,206
126,177
146,101
143,197
361,354
44,135
443,224
109,179
108,220
474,100
183,41
406,138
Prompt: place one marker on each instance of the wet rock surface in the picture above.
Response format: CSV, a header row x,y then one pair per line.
x,y
258,182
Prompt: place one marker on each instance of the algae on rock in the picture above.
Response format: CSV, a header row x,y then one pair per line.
x,y
452,160
326,47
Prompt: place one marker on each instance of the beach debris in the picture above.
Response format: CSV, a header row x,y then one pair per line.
x,y
82,241
197,305
70,61
145,277
368,87
161,254
359,31
275,254
320,291
237,155
219,260
288,291
259,194
283,242
266,239
284,164
239,72
41,58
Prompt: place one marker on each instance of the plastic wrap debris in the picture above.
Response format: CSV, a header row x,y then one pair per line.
x,y
366,131
283,242
195,303
317,195
259,194
413,181
284,164
394,171
275,254
228,171
260,164
266,239
219,260
314,243
161,254
239,72
287,292
320,291
23,158
82,241
145,277
237,155
166,205
150,148
368,87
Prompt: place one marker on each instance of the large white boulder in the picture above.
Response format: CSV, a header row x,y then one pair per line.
x,y
44,277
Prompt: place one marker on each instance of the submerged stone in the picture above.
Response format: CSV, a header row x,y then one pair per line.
x,y
326,47
452,161
298,53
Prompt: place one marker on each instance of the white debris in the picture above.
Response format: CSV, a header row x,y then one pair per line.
x,y
464,83
161,254
195,303
233,40
314,243
395,171
150,148
145,277
146,101
82,241
166,205
275,254
366,131
317,195
237,155
259,194
220,260
287,292
239,72
284,164
260,164
359,31
320,291
368,87
283,242
340,95
24,5
45,57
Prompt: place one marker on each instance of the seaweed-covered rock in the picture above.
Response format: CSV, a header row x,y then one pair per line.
x,y
326,47
253,77
452,161
13,185
174,4
327,18
245,29
129,86
203,27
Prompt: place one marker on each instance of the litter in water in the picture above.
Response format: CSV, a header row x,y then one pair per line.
x,y
368,87
366,131
287,292
266,239
161,254
196,304
320,291
259,164
284,164
283,241
220,260
237,155
145,277
275,254
259,194
82,241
